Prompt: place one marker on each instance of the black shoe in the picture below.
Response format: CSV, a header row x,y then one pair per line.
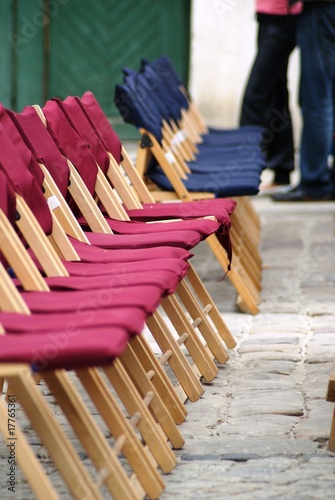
x,y
297,194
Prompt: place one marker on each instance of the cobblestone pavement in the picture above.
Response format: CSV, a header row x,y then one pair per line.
x,y
260,430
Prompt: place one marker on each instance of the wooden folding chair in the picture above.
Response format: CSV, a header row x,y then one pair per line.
x,y
331,397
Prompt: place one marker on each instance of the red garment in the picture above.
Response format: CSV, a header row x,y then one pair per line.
x,y
277,7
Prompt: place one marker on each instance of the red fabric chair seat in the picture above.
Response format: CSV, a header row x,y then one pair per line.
x,y
221,208
181,239
91,302
93,254
146,266
132,319
204,227
51,351
166,280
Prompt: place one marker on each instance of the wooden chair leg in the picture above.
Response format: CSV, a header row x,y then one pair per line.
x,y
210,308
331,398
161,381
175,357
58,446
92,439
24,456
246,260
138,456
246,278
244,226
203,361
331,445
157,407
242,288
213,341
150,431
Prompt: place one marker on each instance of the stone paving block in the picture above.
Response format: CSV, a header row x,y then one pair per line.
x,y
319,354
316,425
271,356
323,321
250,347
261,469
327,339
269,366
266,343
281,322
238,324
275,337
316,380
253,402
316,310
207,480
283,306
260,381
256,425
308,473
244,449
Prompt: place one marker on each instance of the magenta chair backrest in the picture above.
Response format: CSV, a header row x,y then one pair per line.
x,y
7,197
22,181
101,124
39,141
71,145
83,127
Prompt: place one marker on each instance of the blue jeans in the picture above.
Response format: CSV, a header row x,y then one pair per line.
x,y
316,38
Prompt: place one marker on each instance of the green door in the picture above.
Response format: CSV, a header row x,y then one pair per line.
x,y
92,40
64,47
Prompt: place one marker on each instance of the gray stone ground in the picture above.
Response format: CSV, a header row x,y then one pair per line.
x,y
260,430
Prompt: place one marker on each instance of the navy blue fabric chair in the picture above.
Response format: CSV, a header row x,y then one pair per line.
x,y
226,164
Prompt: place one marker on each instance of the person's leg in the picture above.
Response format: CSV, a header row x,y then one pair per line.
x,y
265,100
281,147
316,37
273,52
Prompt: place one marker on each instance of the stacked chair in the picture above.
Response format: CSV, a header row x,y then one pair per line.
x,y
79,280
180,158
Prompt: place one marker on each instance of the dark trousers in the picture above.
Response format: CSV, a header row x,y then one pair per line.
x,y
316,36
266,97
